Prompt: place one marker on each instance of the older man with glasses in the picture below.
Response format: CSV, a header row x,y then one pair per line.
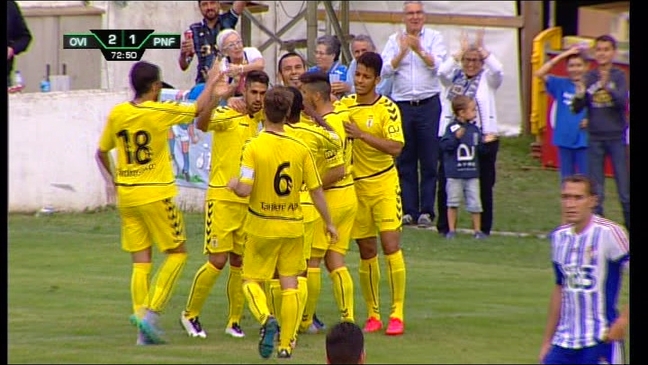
x,y
411,58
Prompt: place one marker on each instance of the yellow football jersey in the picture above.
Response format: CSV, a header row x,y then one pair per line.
x,y
276,165
325,146
143,172
381,119
336,120
231,130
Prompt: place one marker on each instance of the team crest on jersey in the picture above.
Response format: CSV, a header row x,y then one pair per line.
x,y
213,242
590,253
369,122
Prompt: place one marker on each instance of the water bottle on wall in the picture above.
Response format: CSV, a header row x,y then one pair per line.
x,y
18,81
45,85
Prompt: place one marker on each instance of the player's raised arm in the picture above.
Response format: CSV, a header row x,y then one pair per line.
x,y
219,89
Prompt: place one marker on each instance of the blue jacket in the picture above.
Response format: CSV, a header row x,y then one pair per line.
x,y
461,156
606,106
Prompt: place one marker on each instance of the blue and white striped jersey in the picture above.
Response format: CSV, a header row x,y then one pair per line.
x,y
589,267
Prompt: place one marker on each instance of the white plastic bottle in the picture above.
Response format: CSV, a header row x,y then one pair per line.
x,y
18,79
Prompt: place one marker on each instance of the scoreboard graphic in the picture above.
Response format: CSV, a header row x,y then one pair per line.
x,y
122,44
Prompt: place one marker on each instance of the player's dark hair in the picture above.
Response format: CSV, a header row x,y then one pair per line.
x,y
290,54
606,38
297,105
582,179
371,60
317,81
277,103
257,76
344,343
142,77
460,102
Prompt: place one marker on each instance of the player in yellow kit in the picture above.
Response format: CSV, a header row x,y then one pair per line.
x,y
146,187
273,168
377,139
224,211
337,182
326,148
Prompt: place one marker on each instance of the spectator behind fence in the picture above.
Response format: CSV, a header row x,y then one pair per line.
x,y
345,344
604,93
238,60
18,36
411,58
327,58
474,71
203,42
569,131
360,44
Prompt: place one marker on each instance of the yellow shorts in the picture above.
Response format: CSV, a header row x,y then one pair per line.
x,y
343,207
261,256
160,222
224,226
378,213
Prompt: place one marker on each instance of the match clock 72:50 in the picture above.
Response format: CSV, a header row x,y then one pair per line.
x,y
122,55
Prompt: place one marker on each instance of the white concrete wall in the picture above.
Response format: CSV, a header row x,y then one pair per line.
x,y
52,143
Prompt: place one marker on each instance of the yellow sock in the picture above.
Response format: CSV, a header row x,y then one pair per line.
x,y
370,285
302,288
343,292
235,296
140,285
203,283
397,278
165,281
257,300
290,316
266,289
314,278
274,298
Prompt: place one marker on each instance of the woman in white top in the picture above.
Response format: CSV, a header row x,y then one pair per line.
x,y
238,60
475,72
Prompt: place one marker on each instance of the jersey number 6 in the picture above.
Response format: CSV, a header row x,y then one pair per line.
x,y
283,183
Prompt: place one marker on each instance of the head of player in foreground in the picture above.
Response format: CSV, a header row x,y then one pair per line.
x,y
316,90
256,86
297,109
578,199
146,81
345,344
367,75
277,102
291,65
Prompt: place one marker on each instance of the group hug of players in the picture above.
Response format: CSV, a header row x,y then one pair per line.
x,y
295,176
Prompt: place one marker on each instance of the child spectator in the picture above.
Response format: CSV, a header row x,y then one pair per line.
x,y
460,144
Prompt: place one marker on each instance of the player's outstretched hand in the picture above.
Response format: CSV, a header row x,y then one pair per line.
x,y
331,231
